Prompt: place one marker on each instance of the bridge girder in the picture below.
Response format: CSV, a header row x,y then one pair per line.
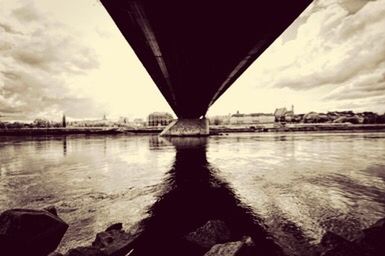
x,y
195,50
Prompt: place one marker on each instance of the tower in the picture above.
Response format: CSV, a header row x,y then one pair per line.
x,y
64,123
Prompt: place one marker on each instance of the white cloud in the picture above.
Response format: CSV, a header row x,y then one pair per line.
x,y
69,56
333,55
36,54
52,51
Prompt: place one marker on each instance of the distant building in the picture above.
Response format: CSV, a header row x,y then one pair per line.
x,y
253,118
284,115
139,122
92,123
159,119
123,120
279,114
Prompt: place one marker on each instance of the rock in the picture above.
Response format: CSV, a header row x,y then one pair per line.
x,y
55,254
331,240
245,247
30,232
373,238
104,239
114,241
51,209
335,245
213,232
116,226
227,249
85,251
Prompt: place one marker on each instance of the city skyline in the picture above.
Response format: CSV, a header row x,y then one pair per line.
x,y
69,57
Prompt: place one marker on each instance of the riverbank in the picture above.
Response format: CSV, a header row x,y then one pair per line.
x,y
214,129
297,127
76,130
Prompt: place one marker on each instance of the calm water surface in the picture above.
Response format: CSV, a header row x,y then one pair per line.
x,y
300,185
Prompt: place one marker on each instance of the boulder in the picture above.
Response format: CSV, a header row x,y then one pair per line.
x,y
245,247
55,254
226,249
114,241
116,226
85,251
331,240
373,238
30,232
213,232
51,209
335,245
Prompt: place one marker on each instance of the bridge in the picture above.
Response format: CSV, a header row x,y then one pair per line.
x,y
194,50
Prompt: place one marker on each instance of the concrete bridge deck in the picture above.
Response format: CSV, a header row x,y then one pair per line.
x,y
195,50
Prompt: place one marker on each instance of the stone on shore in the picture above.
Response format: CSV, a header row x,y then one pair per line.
x,y
238,248
373,238
213,232
30,232
85,251
227,249
114,241
371,242
55,254
335,245
51,209
116,226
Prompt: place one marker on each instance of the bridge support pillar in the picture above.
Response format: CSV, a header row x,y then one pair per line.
x,y
187,127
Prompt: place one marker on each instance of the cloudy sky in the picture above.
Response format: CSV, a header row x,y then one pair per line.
x,y
69,57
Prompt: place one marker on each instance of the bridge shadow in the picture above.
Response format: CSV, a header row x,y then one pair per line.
x,y
193,194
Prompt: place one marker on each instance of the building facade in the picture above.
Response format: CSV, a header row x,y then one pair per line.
x,y
284,115
159,119
253,118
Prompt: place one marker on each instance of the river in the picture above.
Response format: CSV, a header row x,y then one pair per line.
x,y
300,185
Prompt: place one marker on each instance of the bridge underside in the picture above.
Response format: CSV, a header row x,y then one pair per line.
x,y
194,50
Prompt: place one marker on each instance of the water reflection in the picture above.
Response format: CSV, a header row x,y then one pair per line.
x,y
193,194
64,145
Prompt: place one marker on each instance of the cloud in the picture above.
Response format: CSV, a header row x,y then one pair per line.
x,y
38,95
26,13
38,58
361,86
340,45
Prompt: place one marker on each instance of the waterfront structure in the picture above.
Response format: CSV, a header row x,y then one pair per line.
x,y
92,123
284,115
138,122
253,118
159,119
195,50
279,114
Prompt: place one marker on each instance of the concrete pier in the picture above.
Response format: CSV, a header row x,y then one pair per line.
x,y
187,127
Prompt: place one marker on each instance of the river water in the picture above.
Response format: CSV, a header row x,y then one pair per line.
x,y
300,185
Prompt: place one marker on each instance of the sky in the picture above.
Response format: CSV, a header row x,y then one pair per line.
x,y
68,57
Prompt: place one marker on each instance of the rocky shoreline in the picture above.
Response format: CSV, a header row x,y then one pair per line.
x,y
39,232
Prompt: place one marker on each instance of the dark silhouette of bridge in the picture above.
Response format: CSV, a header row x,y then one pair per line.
x,y
195,50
